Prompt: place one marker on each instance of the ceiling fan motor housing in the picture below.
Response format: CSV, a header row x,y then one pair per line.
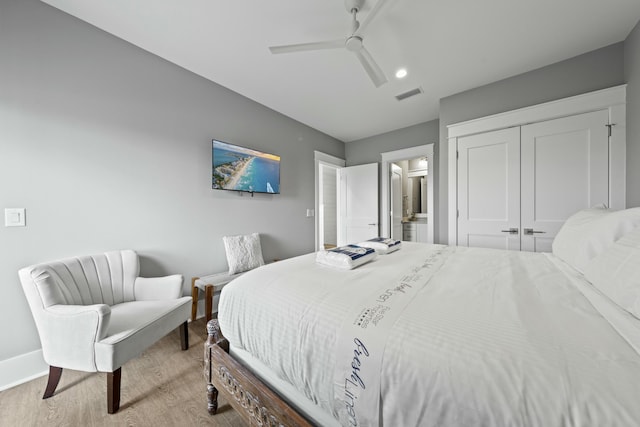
x,y
353,43
353,4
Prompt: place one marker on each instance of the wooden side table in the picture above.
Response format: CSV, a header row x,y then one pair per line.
x,y
209,285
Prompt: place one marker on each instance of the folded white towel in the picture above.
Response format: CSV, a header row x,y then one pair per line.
x,y
346,257
382,245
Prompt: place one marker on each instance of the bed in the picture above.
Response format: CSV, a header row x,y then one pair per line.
x,y
434,335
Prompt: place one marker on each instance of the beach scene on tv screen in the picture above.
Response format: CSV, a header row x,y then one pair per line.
x,y
243,169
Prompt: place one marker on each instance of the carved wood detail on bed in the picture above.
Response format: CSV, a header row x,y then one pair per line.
x,y
254,401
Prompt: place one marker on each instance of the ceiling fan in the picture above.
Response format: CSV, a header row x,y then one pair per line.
x,y
352,42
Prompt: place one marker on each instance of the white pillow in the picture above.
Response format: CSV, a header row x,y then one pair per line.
x,y
590,232
243,252
616,272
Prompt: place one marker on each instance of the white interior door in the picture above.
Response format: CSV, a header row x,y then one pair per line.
x,y
396,202
489,190
564,169
357,203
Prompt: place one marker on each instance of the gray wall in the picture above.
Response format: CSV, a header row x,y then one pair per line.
x,y
109,147
632,77
368,150
595,70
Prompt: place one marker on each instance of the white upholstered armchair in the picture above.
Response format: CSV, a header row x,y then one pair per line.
x,y
93,313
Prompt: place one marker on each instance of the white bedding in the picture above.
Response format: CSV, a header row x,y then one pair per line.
x,y
495,338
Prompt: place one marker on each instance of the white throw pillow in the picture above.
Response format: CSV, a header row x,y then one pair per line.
x,y
590,232
243,252
616,272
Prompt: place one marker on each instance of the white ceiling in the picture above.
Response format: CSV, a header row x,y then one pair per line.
x,y
448,46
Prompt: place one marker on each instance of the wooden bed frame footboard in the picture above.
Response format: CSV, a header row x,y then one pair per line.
x,y
256,403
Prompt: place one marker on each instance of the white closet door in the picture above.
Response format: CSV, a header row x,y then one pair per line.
x,y
564,169
357,203
489,190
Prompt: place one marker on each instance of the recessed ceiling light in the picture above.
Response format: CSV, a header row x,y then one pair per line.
x,y
401,73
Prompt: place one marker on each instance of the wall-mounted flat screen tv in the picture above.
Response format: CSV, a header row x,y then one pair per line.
x,y
243,169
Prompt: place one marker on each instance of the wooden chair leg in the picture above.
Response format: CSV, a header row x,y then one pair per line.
x,y
184,335
113,390
194,298
208,301
54,378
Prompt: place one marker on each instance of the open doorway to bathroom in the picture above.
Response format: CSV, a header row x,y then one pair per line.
x,y
407,194
409,199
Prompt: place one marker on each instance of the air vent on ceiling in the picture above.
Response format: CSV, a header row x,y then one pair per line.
x,y
409,93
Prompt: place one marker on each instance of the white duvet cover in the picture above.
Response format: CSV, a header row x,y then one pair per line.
x,y
494,338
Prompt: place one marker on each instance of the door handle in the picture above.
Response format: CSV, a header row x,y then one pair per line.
x,y
531,231
375,223
512,230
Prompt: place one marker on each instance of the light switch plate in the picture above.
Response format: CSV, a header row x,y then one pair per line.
x,y
14,217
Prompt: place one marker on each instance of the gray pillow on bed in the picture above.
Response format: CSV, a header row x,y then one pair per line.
x,y
616,272
589,232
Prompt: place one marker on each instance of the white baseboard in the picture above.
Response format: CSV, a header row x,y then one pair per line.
x,y
21,369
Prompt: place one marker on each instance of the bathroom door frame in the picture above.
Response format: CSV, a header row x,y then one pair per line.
x,y
385,206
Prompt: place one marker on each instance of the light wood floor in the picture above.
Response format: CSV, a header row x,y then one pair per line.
x,y
162,387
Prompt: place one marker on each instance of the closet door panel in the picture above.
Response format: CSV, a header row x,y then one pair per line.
x,y
489,189
564,169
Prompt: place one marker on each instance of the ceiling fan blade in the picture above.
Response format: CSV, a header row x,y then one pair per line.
x,y
373,70
371,16
328,44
